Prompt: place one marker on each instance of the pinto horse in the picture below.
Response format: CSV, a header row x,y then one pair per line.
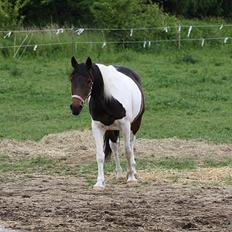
x,y
116,103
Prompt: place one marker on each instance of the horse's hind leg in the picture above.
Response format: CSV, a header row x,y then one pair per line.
x,y
132,143
135,125
114,147
129,152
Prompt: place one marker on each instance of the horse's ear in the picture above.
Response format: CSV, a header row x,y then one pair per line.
x,y
74,62
88,63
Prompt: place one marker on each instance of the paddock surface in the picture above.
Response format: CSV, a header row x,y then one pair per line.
x,y
162,200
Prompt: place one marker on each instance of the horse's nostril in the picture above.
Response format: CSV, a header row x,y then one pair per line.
x,y
76,109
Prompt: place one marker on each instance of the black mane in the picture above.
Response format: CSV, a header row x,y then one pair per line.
x,y
98,84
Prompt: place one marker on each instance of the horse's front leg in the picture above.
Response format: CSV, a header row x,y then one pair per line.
x,y
98,134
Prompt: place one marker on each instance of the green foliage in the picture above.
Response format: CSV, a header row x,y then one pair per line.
x,y
111,13
103,13
107,13
227,7
206,8
59,12
126,14
197,8
131,14
9,15
39,164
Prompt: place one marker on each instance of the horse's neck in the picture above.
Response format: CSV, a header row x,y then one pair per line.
x,y
102,107
98,84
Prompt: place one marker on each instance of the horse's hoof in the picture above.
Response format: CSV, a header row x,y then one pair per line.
x,y
119,176
98,187
131,179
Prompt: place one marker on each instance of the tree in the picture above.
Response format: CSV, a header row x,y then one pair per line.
x,y
195,8
61,12
8,13
227,8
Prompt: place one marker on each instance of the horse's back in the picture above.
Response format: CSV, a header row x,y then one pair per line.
x,y
130,73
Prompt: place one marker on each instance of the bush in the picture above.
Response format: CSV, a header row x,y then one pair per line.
x,y
60,12
197,8
8,14
128,14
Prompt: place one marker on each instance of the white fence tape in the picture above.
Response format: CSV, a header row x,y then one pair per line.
x,y
145,43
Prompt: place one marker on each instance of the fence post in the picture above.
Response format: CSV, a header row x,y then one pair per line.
x,y
179,36
73,43
14,42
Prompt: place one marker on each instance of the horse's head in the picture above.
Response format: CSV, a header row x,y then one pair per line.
x,y
81,84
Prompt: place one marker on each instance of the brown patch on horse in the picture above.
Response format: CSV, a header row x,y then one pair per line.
x,y
135,125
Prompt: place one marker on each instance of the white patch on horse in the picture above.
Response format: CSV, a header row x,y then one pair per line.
x,y
107,75
122,88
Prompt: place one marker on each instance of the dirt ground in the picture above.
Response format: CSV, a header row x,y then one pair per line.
x,y
200,201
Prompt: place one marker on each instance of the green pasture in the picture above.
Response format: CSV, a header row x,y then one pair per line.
x,y
188,92
51,166
44,165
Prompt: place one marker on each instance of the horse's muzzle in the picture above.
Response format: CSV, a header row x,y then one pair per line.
x,y
76,109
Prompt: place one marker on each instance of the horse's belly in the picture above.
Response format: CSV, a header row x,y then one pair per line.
x,y
116,125
137,104
131,101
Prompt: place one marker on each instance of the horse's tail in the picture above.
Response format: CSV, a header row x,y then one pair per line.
x,y
113,136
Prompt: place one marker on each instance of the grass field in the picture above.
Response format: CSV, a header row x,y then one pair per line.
x,y
46,166
187,93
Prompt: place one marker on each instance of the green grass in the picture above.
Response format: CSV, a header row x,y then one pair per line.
x,y
178,164
27,165
188,93
212,163
45,165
